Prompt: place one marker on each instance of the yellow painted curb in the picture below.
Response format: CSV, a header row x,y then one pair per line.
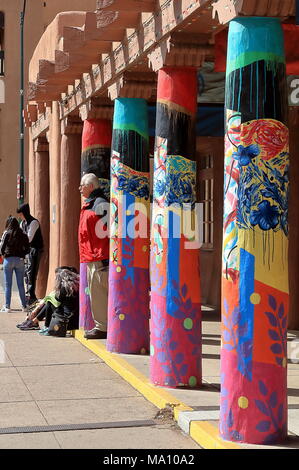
x,y
202,432
155,395
206,435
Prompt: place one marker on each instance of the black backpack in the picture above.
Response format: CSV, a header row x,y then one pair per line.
x,y
58,325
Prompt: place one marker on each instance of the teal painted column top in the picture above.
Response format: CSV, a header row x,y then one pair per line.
x,y
131,114
252,39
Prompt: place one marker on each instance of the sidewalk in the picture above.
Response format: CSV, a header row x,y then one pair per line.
x,y
56,394
197,411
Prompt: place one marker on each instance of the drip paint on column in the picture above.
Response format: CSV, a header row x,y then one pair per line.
x,y
85,320
128,309
175,282
95,158
96,147
255,247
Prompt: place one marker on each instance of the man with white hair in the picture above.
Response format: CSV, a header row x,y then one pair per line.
x,y
94,250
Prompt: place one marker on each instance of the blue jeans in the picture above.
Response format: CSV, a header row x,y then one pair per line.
x,y
10,265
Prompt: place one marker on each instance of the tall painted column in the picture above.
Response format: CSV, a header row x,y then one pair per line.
x,y
95,158
175,281
255,249
70,198
42,211
128,307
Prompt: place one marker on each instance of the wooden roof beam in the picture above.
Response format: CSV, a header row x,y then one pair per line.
x,y
97,108
128,5
43,93
181,50
138,46
227,10
133,85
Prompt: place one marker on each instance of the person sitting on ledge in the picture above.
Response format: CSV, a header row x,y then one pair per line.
x,y
64,301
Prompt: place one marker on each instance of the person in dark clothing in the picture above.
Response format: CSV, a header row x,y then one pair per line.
x,y
31,227
64,301
14,246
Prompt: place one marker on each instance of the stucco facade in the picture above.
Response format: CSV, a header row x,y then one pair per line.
x,y
38,16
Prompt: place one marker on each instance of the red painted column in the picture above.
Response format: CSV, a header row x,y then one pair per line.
x,y
95,158
175,282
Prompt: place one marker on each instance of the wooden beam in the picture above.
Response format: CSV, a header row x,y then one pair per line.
x,y
133,85
171,17
41,126
226,10
181,50
127,5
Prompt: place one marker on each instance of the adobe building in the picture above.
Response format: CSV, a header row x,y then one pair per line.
x,y
38,15
83,62
126,61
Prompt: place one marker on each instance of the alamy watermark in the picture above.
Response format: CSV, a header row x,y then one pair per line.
x,y
294,354
132,221
293,90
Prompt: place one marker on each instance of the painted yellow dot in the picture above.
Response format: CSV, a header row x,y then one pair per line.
x,y
128,212
144,248
243,403
143,351
255,298
118,269
121,316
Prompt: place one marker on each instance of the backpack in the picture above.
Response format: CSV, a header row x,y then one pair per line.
x,y
58,325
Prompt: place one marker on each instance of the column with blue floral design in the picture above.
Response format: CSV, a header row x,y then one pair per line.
x,y
255,287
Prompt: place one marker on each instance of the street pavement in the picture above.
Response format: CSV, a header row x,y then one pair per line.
x,y
57,386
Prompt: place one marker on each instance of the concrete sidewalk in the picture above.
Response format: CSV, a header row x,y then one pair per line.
x,y
56,394
197,411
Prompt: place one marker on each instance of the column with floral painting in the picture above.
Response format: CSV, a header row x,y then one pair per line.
x,y
175,282
255,290
128,305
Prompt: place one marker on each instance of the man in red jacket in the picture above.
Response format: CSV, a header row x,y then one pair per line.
x,y
94,250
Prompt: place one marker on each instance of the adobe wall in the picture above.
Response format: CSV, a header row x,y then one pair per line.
x,y
38,15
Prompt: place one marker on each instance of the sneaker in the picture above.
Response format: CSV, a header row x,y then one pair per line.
x,y
23,323
43,331
95,334
30,325
5,309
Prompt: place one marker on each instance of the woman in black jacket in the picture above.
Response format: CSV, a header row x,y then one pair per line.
x,y
63,303
14,246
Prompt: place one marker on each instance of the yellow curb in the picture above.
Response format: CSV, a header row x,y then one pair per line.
x,y
205,434
155,395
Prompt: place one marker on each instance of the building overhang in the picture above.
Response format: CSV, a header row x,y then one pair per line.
x,y
95,55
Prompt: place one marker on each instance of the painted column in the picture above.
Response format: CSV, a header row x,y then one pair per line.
x,y
255,288
175,281
54,139
95,158
128,308
42,213
70,199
